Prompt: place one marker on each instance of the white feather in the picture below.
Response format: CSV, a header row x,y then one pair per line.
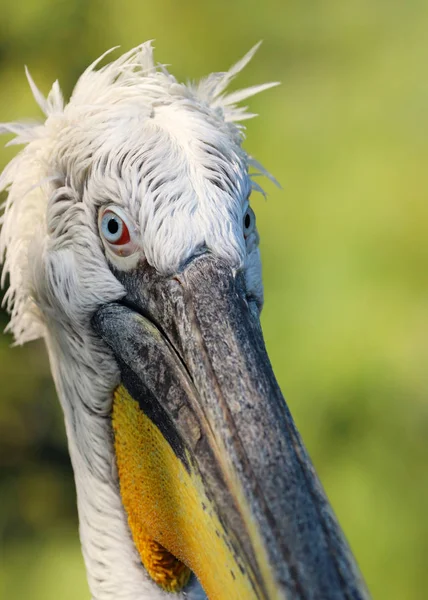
x,y
171,155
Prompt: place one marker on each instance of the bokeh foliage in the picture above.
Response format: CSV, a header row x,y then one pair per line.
x,y
345,257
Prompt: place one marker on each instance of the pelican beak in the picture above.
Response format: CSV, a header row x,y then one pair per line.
x,y
212,471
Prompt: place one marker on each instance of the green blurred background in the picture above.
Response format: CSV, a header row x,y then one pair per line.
x,y
345,256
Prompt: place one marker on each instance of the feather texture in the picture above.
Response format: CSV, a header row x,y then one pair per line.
x,y
133,81
170,154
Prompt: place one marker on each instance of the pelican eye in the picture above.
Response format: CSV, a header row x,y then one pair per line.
x,y
117,231
249,221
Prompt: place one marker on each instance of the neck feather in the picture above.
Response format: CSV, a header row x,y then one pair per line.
x,y
85,376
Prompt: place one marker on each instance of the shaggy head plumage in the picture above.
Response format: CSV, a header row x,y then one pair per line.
x,y
169,152
170,156
166,160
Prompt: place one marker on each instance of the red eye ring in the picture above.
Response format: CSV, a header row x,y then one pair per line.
x,y
118,231
114,229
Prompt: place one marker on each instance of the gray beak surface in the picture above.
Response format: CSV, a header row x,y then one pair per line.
x,y
191,353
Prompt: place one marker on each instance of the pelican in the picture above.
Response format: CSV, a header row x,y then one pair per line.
x,y
132,250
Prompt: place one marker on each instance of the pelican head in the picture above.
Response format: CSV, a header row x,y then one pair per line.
x,y
132,249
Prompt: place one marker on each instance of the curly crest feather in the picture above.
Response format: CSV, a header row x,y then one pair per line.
x,y
61,151
170,156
